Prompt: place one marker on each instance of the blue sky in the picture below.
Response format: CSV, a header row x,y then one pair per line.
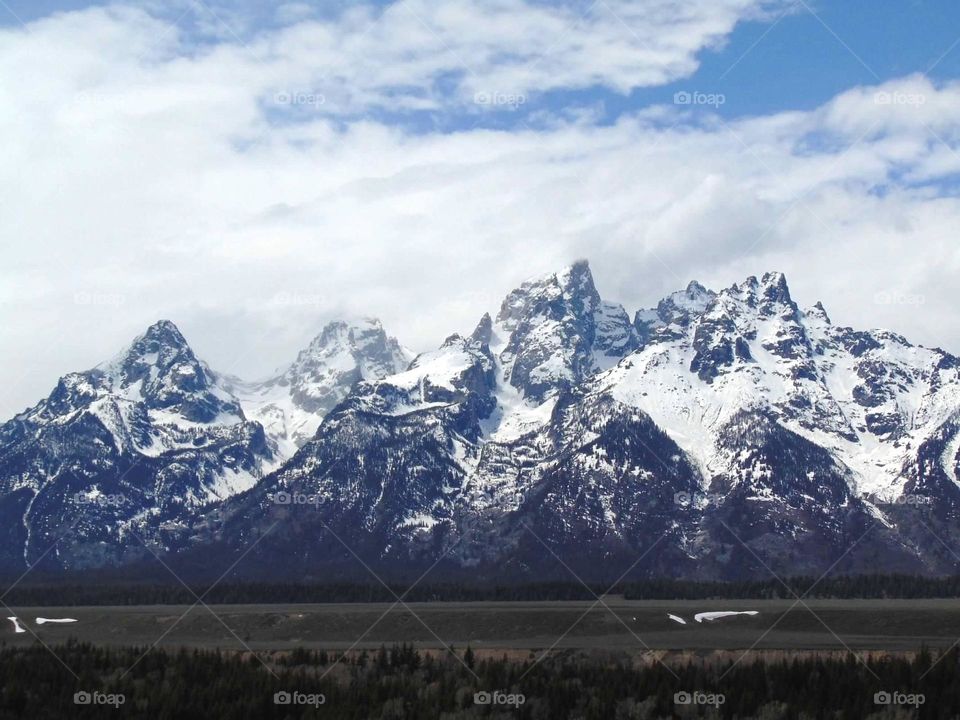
x,y
253,170
800,62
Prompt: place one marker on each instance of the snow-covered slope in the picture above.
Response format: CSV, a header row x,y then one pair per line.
x,y
871,398
414,453
291,405
720,427
716,418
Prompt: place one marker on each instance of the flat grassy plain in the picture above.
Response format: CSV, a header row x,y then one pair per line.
x,y
618,624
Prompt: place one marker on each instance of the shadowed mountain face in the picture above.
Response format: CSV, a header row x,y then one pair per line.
x,y
721,434
116,453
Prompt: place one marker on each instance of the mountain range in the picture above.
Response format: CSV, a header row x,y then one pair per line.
x,y
722,434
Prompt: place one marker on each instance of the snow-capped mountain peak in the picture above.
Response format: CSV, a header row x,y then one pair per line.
x,y
818,313
292,404
673,314
154,431
867,396
713,410
555,331
160,369
360,348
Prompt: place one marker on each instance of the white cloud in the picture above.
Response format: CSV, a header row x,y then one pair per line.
x,y
411,54
141,181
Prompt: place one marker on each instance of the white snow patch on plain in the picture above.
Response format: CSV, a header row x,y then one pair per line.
x,y
716,615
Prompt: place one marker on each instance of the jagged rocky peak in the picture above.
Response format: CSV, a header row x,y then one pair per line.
x,y
753,310
571,288
818,312
154,426
161,370
756,300
555,331
693,299
770,294
161,349
291,405
775,295
361,349
672,316
775,288
451,387
461,365
483,333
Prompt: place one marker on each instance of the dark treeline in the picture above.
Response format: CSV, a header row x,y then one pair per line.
x,y
254,593
402,683
859,586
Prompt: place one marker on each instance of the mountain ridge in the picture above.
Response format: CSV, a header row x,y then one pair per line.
x,y
720,426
